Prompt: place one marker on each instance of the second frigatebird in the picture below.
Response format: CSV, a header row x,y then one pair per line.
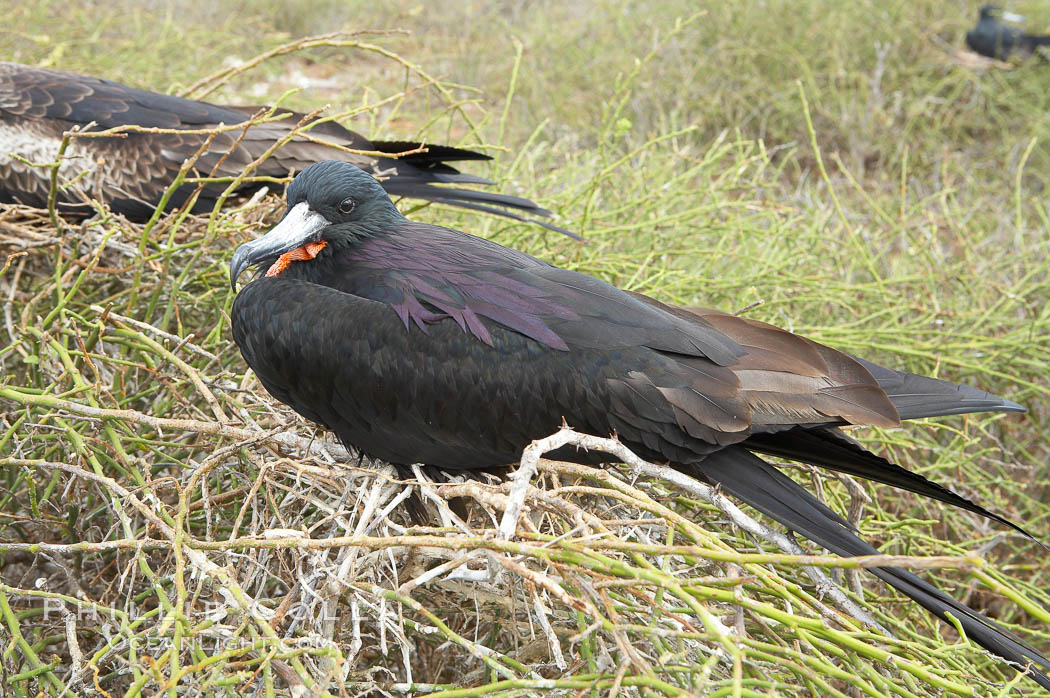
x,y
131,173
420,344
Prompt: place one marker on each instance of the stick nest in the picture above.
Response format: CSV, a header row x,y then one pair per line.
x,y
168,527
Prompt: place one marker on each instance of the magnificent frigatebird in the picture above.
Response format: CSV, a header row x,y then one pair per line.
x,y
995,39
131,173
420,344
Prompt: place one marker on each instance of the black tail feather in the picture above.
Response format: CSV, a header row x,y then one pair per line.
x,y
476,201
437,154
749,478
433,169
505,214
1031,42
919,396
432,163
418,189
829,448
459,178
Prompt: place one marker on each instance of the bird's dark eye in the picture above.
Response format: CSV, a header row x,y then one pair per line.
x,y
347,205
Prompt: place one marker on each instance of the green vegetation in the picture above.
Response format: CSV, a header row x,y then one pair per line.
x,y
837,168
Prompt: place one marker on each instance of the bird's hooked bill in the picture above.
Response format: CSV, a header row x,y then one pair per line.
x,y
1011,17
300,225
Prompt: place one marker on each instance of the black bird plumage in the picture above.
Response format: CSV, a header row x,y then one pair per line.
x,y
420,344
995,39
38,105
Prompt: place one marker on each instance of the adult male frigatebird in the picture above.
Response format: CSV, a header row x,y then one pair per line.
x,y
420,344
995,39
131,173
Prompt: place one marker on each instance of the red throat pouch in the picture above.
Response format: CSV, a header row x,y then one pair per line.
x,y
299,254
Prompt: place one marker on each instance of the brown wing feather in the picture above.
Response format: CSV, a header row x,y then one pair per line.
x,y
782,379
788,379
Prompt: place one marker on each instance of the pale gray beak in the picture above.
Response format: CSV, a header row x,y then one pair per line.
x,y
1012,17
300,225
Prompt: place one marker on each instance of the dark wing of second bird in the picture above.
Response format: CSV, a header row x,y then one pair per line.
x,y
429,345
38,105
